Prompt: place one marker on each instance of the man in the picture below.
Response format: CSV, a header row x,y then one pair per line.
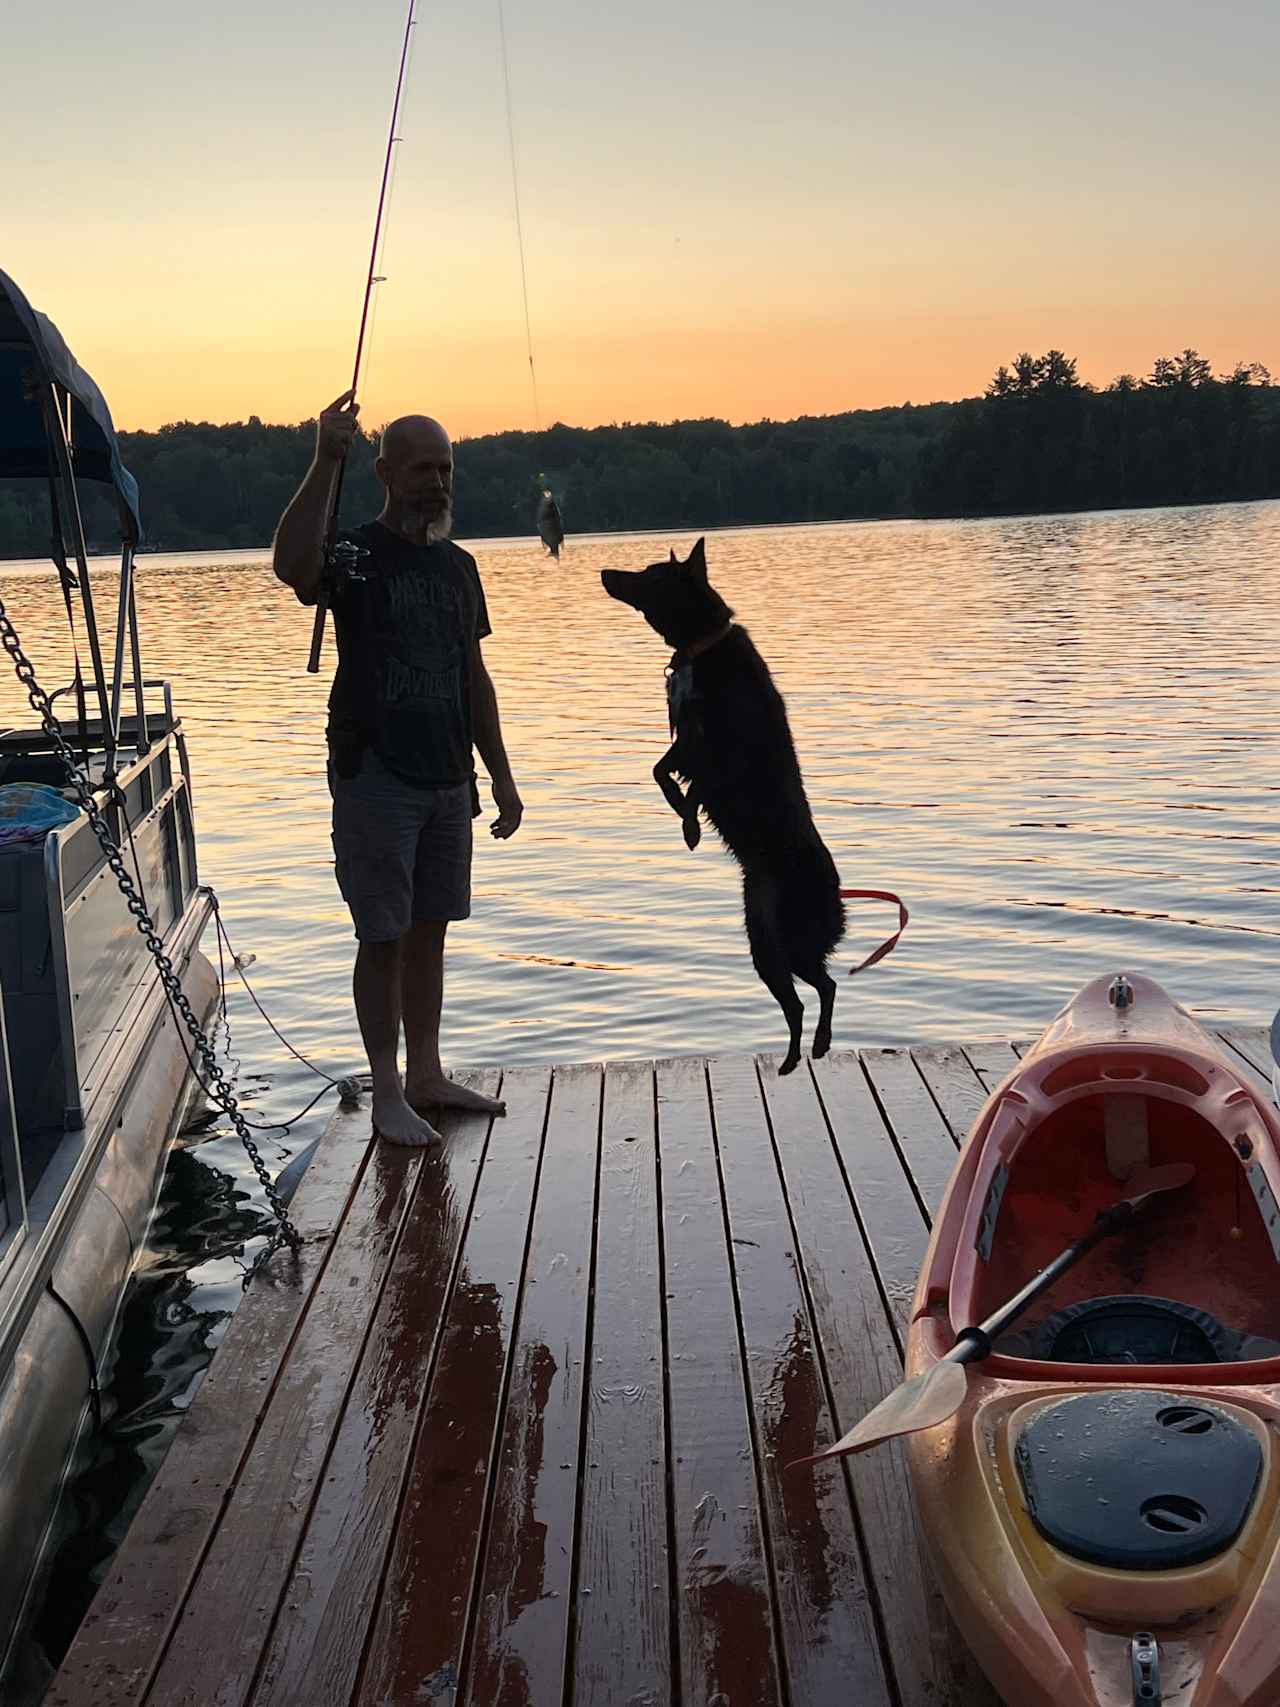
x,y
410,698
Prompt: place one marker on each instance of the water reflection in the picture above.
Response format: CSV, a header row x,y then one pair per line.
x,y
793,1405
1055,736
952,685
180,1300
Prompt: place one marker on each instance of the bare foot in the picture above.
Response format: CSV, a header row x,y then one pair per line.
x,y
398,1124
445,1093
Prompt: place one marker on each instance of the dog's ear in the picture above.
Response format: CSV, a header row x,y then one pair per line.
x,y
674,558
696,562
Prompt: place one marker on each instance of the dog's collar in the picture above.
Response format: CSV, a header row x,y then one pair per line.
x,y
687,654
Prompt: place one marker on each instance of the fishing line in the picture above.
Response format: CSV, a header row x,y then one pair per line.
x,y
515,193
331,530
388,159
380,264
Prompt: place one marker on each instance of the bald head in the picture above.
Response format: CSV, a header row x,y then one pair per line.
x,y
412,434
415,465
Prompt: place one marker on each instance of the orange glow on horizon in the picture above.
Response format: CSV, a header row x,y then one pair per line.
x,y
744,370
720,212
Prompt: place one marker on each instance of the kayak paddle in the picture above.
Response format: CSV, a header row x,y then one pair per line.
x,y
931,1398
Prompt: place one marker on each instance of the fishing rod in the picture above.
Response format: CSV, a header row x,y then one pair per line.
x,y
338,557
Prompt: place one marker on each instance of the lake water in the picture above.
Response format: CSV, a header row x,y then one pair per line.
x,y
1056,737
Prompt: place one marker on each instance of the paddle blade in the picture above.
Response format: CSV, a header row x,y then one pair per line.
x,y
927,1400
1151,1181
920,1403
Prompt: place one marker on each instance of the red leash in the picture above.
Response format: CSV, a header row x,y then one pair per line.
x,y
888,946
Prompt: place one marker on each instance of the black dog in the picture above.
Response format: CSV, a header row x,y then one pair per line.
x,y
732,745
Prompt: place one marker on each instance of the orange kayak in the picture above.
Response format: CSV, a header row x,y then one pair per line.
x,y
1103,1509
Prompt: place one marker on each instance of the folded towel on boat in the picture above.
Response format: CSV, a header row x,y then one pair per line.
x,y
29,810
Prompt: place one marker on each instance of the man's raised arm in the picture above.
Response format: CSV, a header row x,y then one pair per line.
x,y
297,554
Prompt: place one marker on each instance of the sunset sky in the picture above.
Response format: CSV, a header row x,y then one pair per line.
x,y
729,208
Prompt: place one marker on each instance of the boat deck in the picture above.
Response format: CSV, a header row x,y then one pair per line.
x,y
513,1428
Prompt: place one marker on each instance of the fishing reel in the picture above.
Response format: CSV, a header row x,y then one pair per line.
x,y
342,560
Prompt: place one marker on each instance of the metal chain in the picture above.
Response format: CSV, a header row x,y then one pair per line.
x,y
219,1088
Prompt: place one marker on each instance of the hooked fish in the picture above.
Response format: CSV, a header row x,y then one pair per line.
x,y
550,524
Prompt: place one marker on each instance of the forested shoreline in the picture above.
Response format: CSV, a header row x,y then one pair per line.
x,y
1039,439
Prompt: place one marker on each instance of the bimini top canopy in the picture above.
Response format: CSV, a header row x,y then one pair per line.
x,y
33,355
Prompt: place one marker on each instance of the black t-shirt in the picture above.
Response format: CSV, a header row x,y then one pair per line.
x,y
405,638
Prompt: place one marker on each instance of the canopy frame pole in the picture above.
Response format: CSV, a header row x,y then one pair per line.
x,y
144,734
126,629
67,581
54,399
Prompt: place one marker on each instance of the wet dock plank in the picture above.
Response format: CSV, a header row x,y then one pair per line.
x,y
824,1612
514,1427
416,1637
919,1128
893,1224
861,1363
318,1641
524,1603
726,1635
622,1608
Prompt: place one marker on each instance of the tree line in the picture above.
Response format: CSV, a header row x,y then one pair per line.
x,y
1038,439
1041,439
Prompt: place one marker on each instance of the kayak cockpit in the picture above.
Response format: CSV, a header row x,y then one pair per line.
x,y
1194,1280
1204,1257
1132,1328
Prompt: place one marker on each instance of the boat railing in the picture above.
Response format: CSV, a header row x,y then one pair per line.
x,y
13,1205
81,991
133,733
101,962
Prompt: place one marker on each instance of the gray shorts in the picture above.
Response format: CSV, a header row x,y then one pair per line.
x,y
403,853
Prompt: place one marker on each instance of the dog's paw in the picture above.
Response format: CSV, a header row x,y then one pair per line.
x,y
790,1064
692,831
821,1042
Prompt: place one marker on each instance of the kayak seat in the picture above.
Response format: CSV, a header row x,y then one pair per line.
x,y
1138,1480
1134,1329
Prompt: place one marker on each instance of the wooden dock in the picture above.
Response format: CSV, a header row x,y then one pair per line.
x,y
512,1429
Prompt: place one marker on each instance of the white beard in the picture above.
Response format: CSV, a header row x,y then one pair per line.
x,y
442,527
